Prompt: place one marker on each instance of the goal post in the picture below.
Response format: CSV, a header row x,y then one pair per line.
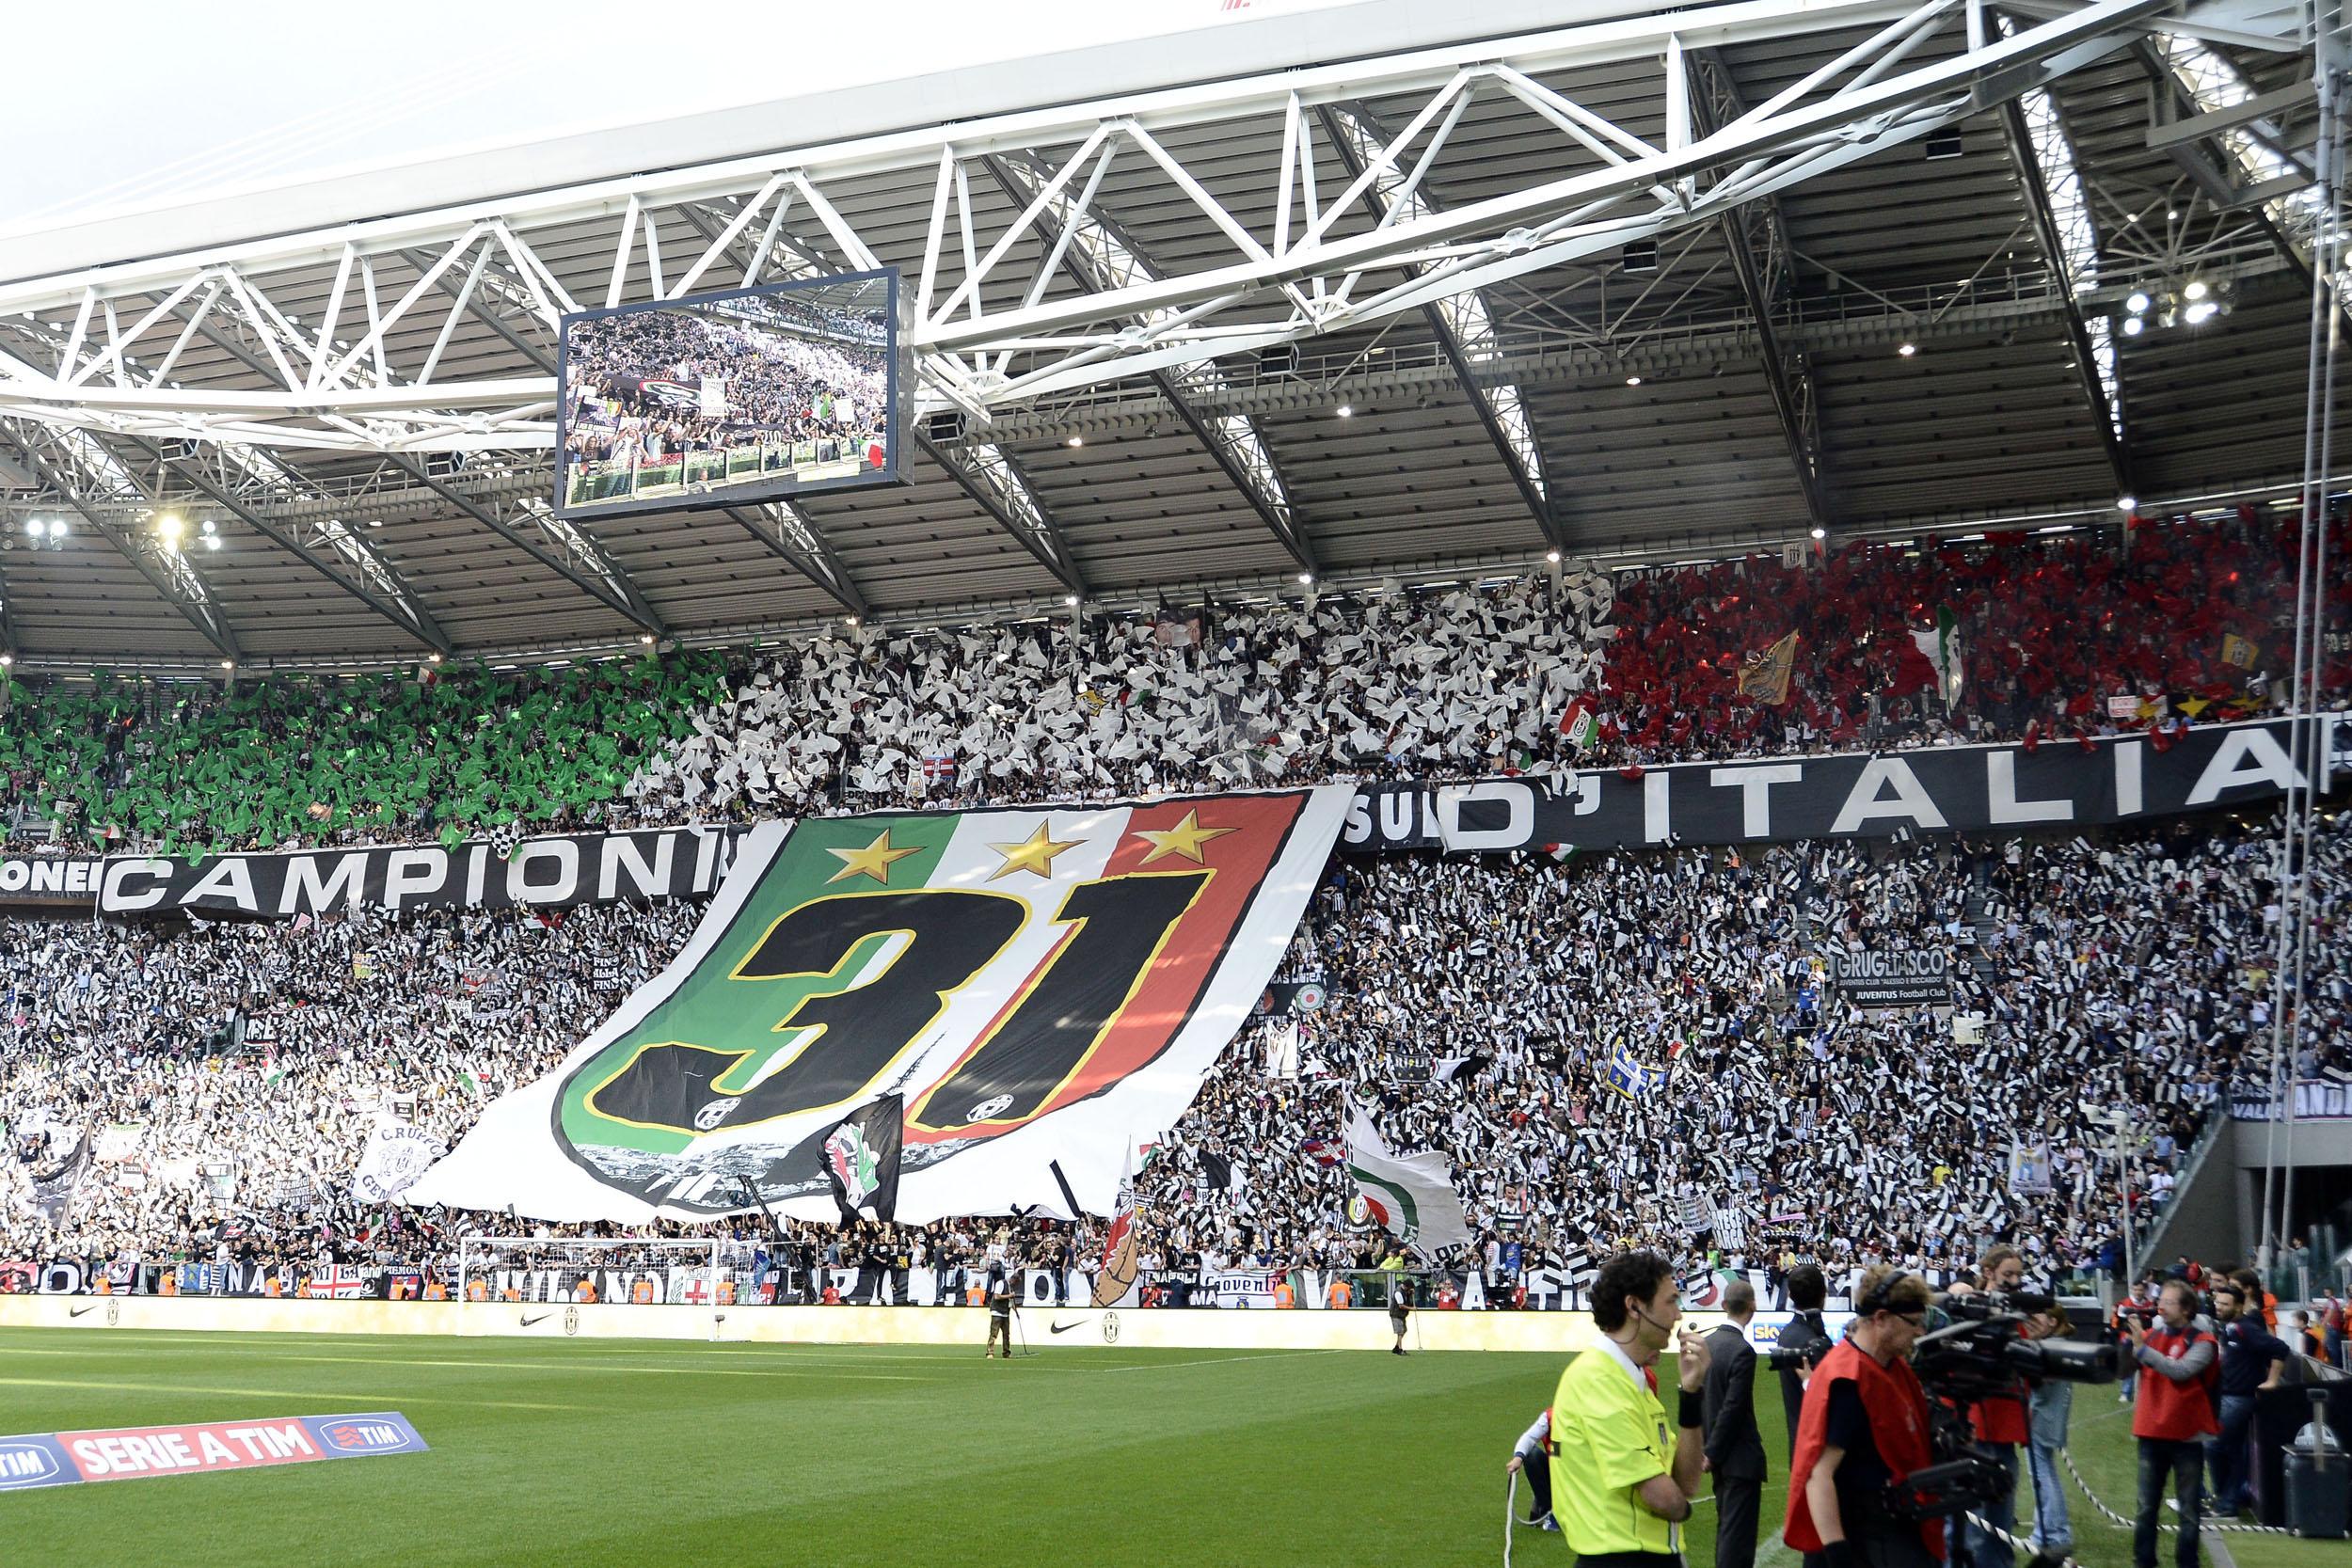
x,y
703,1271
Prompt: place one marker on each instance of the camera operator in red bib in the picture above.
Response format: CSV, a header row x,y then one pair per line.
x,y
1863,1428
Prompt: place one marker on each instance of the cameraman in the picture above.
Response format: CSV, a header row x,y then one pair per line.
x,y
2253,1359
1808,1290
1620,1486
1864,1428
2179,1365
1999,1424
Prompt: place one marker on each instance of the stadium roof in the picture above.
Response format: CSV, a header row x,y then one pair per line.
x,y
1598,278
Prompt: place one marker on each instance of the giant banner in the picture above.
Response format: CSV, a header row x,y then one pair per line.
x,y
1039,985
537,872
2059,784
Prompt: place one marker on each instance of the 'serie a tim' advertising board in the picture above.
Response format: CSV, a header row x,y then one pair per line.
x,y
130,1453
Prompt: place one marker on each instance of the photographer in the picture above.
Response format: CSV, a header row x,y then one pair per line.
x,y
1620,1486
1999,1424
1735,1449
1864,1428
2180,1366
1808,1290
2253,1359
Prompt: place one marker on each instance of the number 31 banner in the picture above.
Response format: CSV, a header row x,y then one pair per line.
x,y
1038,986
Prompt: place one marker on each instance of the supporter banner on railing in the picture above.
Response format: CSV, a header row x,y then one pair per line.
x,y
1879,980
537,872
2058,783
31,881
1038,985
2315,1100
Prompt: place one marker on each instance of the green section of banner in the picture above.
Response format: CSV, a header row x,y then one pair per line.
x,y
716,1010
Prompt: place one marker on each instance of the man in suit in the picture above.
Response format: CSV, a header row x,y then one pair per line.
x,y
1735,1449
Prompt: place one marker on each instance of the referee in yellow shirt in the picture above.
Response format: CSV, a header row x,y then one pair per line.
x,y
1622,1475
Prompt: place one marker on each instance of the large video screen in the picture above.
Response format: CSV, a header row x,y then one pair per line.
x,y
725,399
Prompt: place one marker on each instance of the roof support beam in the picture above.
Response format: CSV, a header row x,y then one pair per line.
x,y
1757,237
988,474
791,535
167,570
555,544
1462,322
1103,257
376,585
992,339
2046,171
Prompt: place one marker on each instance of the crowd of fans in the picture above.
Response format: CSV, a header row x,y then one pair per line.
x,y
1432,683
634,391
289,760
1636,1050
1478,1006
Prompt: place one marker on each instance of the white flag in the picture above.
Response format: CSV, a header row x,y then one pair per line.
x,y
1411,1197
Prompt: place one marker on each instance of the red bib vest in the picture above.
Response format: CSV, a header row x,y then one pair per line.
x,y
1897,1408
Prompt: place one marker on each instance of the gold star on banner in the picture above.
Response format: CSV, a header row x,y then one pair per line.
x,y
873,860
1184,839
1036,853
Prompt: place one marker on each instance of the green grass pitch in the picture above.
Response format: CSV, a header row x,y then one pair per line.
x,y
650,1452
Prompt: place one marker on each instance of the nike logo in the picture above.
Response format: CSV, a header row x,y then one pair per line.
x,y
540,1319
77,1311
1064,1328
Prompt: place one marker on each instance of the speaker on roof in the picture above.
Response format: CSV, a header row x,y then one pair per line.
x,y
1944,144
1639,256
1281,359
947,425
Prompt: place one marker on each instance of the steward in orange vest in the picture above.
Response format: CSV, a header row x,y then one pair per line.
x,y
1343,1294
642,1292
1284,1297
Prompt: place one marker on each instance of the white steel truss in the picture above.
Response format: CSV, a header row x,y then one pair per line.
x,y
363,346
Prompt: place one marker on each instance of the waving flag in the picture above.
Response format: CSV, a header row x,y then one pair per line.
x,y
1410,1196
1115,1276
1032,982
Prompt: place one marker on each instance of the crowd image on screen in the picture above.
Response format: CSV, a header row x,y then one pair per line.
x,y
788,376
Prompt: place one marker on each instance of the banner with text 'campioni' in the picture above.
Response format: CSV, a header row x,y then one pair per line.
x,y
1039,985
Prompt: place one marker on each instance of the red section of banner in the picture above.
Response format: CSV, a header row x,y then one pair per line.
x,y
127,1454
1237,839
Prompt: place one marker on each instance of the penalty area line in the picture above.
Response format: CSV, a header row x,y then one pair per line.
x,y
400,1397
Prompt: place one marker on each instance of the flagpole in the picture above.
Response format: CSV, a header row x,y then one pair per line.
x,y
775,1227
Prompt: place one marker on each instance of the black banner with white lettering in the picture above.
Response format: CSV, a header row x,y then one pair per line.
x,y
35,879
1877,980
540,872
2059,784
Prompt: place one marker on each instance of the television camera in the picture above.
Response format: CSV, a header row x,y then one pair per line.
x,y
1983,1351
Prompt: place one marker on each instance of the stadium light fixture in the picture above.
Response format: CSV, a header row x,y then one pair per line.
x,y
2138,302
58,528
434,658
228,664
851,619
1348,410
1633,381
1307,578
35,528
211,541
1907,350
1820,533
1075,441
2196,290
7,659
2126,503
645,637
2200,312
169,527
2134,327
1553,556
1070,600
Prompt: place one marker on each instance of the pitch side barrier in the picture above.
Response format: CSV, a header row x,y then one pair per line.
x,y
963,1327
